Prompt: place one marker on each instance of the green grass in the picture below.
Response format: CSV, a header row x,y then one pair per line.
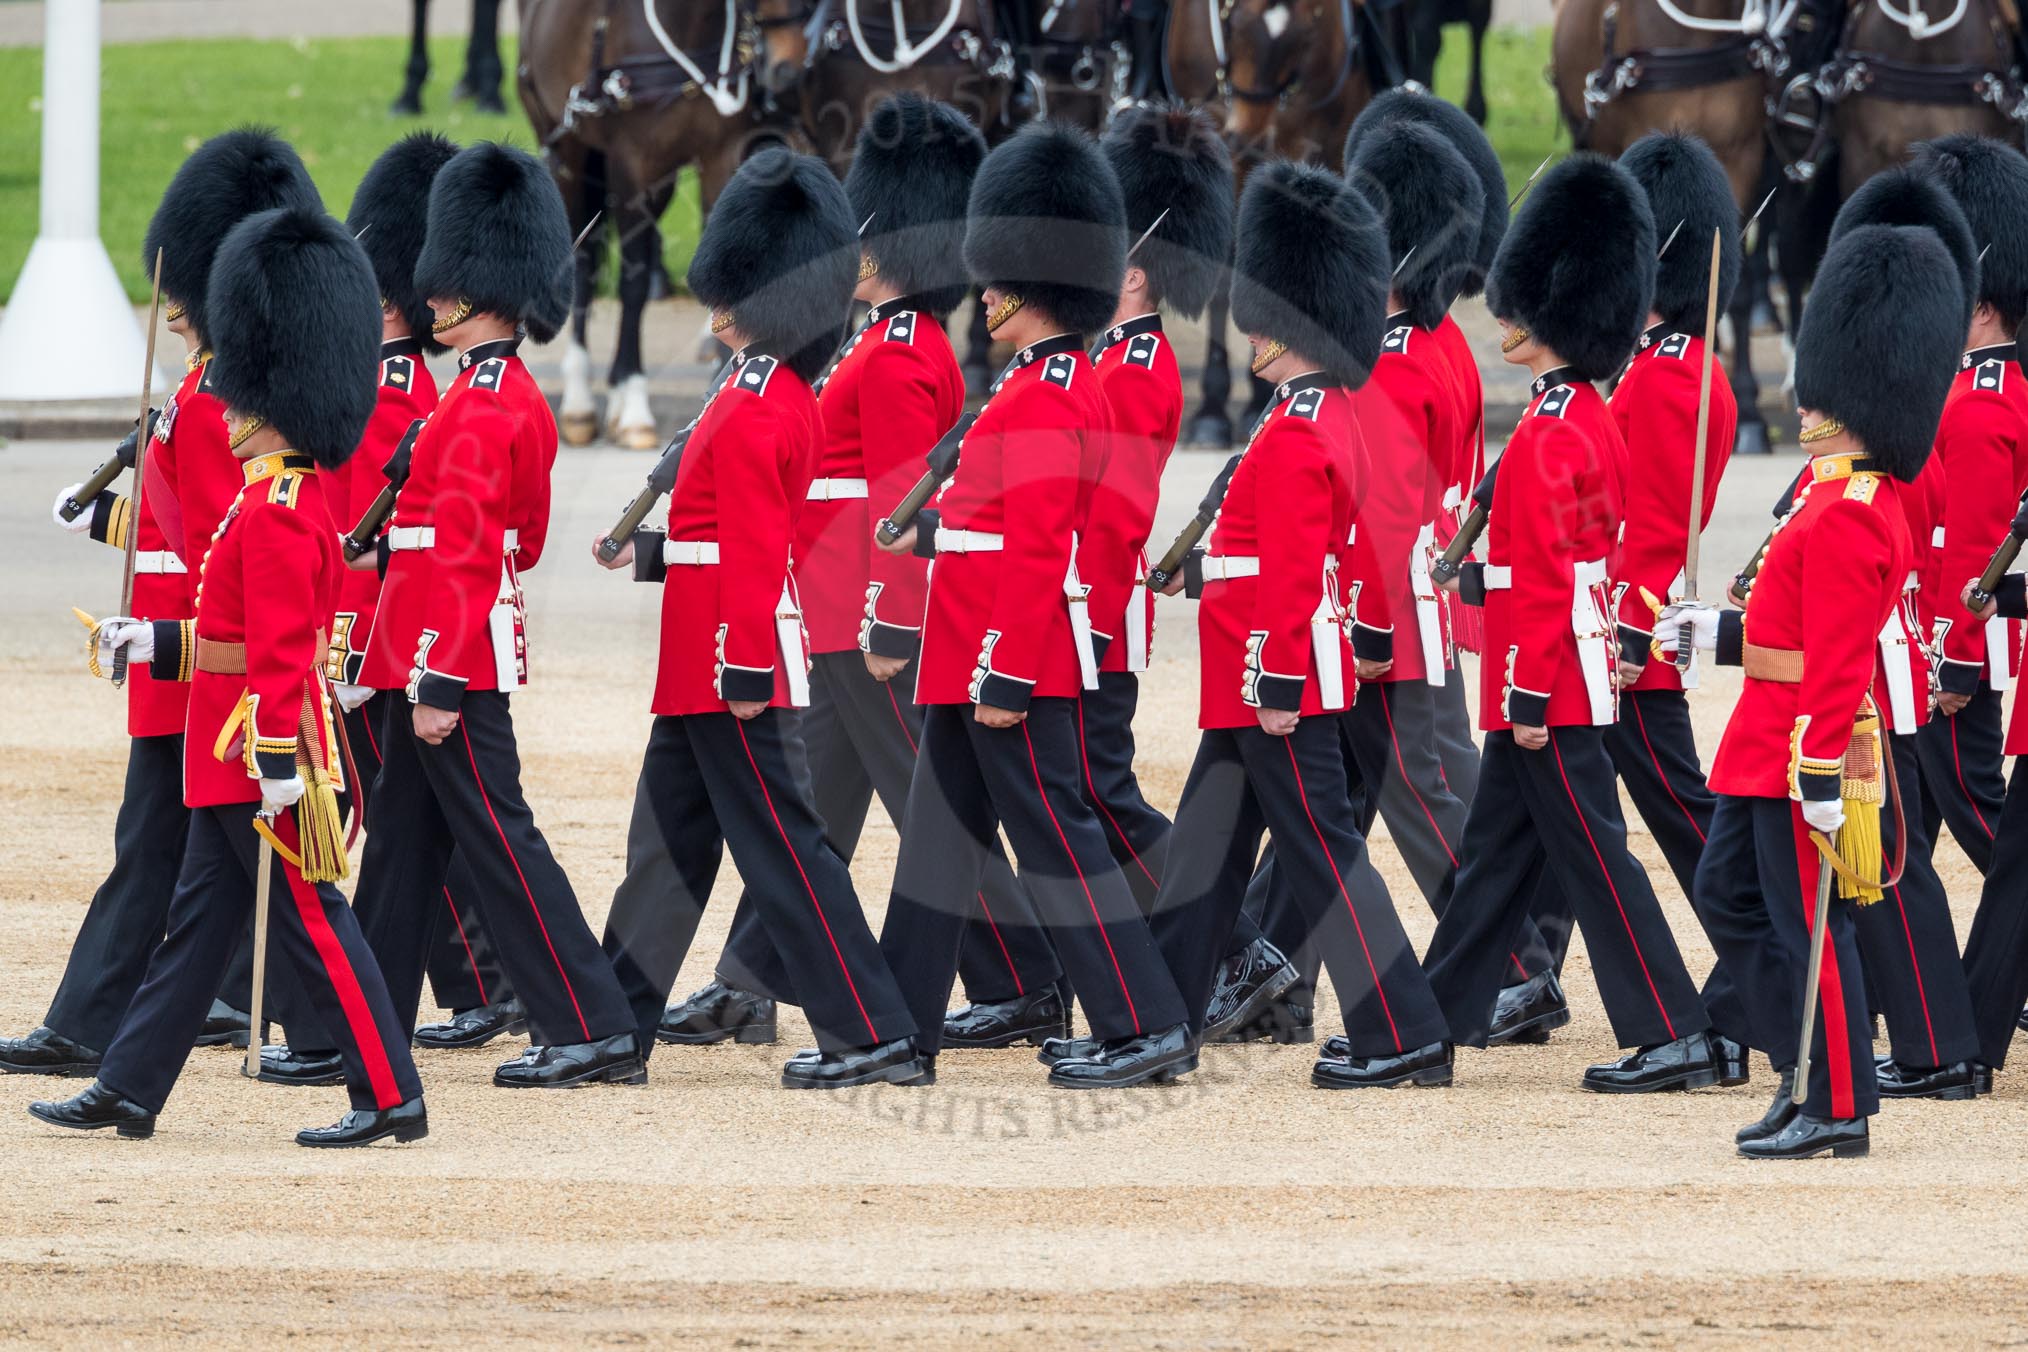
x,y
160,100
1521,117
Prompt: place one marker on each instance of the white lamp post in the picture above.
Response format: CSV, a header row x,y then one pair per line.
x,y
69,332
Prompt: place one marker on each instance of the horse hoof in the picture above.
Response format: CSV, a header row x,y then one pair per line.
x,y
1210,429
579,428
1752,439
639,438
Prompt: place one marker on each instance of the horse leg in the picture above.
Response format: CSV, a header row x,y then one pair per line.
x,y
481,81
1209,426
629,420
408,103
583,177
1475,92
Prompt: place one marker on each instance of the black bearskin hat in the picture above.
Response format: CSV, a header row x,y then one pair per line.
x,y
298,340
1689,196
225,180
1577,268
1047,223
1311,268
498,236
1901,196
389,214
911,177
780,251
1170,157
1468,138
1430,201
1989,180
1880,340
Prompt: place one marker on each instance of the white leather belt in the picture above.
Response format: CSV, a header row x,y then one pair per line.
x,y
1936,538
836,490
953,541
689,553
1590,573
425,537
1454,497
1226,567
1429,623
1900,676
158,561
1911,582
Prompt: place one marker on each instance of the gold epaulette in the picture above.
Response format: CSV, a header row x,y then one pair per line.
x,y
1862,486
285,487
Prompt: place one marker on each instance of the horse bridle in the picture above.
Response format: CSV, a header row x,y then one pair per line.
x,y
1262,94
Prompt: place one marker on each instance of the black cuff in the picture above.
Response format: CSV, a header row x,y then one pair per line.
x,y
746,684
276,764
1004,692
101,511
173,650
1372,645
1526,709
1819,786
1472,584
1193,574
926,533
892,640
1731,651
2012,597
1958,678
1099,645
1634,646
648,562
383,554
437,690
1279,692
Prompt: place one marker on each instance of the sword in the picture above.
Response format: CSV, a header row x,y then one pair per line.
x,y
1153,226
140,461
1694,542
262,880
1799,1086
1531,180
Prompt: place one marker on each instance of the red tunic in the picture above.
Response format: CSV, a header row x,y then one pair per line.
x,y
1270,633
1144,394
1557,507
1655,408
1902,645
727,603
996,629
450,616
1468,466
1830,579
893,393
1408,414
407,392
1982,450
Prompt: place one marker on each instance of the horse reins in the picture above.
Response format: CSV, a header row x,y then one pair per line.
x,y
655,78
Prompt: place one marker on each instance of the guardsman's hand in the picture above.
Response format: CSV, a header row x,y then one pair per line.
x,y
746,710
369,562
350,697
1684,622
433,724
136,636
84,518
1174,586
904,543
1626,673
1278,722
278,795
1450,584
623,559
1949,704
1530,738
884,668
1985,612
994,717
1825,815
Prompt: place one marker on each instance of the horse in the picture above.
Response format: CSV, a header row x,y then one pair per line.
x,y
623,94
1623,68
481,80
1426,20
1078,68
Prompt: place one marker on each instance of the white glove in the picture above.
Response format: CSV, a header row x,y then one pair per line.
x,y
1681,619
277,794
84,518
1825,815
136,636
350,697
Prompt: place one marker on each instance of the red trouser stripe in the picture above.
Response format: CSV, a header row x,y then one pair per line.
x,y
1830,984
1958,764
1091,790
1606,873
1661,774
471,958
338,968
1350,909
526,891
811,891
1089,899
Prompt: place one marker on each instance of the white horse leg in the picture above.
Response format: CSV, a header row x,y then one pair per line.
x,y
631,423
580,416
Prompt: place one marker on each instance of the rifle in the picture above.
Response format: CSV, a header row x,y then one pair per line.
x,y
1172,561
661,479
943,463
362,536
124,457
2003,559
1452,561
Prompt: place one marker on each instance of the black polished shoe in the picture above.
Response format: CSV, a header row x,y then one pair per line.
x,y
281,1065
1248,983
896,1062
1982,1077
1953,1083
97,1107
1732,1060
616,1060
1429,1066
2021,1019
1152,1057
474,1027
1686,1063
716,1013
224,1026
363,1126
1035,1018
1803,1138
1068,1049
1289,1018
47,1052
1528,1012
1778,1115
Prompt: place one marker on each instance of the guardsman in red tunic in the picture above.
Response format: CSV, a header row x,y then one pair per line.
x,y
1982,450
1309,289
449,633
1873,366
1006,631
190,481
1572,281
293,316
776,265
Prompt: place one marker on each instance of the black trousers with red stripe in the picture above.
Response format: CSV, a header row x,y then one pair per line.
x,y
1964,783
463,797
861,735
1452,725
970,781
717,783
1244,782
316,946
1556,811
1756,890
1996,949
